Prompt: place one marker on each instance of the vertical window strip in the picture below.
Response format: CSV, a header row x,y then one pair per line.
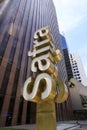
x,y
7,36
5,83
12,53
13,95
20,111
19,63
34,25
29,39
3,45
28,113
23,39
10,111
37,17
40,16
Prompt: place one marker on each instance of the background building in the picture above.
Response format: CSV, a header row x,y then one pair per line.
x,y
78,69
78,92
17,29
66,57
79,99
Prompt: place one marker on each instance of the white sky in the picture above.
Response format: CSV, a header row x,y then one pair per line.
x,y
70,13
72,20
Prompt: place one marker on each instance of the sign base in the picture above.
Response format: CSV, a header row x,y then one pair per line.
x,y
46,116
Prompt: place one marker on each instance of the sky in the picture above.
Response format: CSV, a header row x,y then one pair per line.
x,y
72,20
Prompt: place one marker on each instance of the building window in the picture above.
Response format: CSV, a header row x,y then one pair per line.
x,y
4,44
20,111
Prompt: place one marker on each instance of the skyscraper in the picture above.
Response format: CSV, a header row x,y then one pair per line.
x,y
17,29
78,69
66,57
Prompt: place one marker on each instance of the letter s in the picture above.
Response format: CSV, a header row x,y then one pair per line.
x,y
43,82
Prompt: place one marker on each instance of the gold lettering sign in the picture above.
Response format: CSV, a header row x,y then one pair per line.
x,y
45,85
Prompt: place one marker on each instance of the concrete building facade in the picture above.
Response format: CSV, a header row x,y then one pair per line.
x,y
78,94
17,29
78,69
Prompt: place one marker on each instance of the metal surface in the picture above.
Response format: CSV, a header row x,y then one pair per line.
x,y
45,87
46,119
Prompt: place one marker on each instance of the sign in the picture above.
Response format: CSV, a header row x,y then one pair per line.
x,y
45,87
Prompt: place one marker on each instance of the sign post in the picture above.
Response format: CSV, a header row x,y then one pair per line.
x,y
45,87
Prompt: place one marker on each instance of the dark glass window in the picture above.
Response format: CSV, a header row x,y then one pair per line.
x,y
10,112
28,113
4,44
1,102
12,100
5,79
15,84
4,85
12,53
20,111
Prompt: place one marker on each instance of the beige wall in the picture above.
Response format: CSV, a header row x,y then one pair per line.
x,y
75,93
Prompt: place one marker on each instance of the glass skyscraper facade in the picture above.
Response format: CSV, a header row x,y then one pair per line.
x,y
66,57
17,29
